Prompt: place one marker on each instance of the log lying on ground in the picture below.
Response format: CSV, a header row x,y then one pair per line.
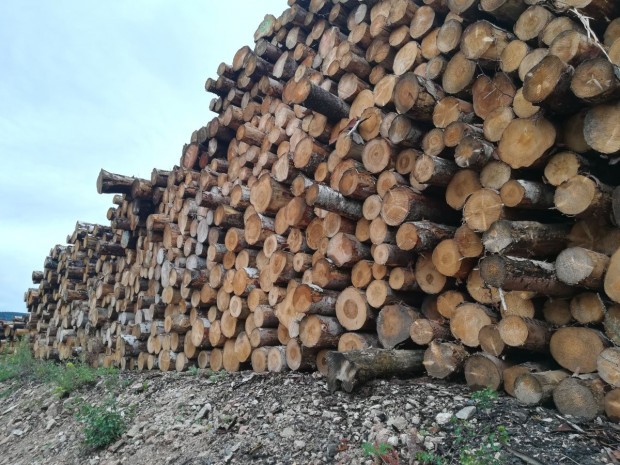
x,y
582,398
350,369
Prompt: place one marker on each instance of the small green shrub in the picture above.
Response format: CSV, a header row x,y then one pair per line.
x,y
103,424
17,364
381,451
472,443
484,398
6,373
66,377
73,376
112,378
215,376
488,443
429,458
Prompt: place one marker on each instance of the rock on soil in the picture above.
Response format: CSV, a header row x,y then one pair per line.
x,y
249,418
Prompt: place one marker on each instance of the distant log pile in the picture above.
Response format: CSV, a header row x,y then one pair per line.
x,y
12,331
435,175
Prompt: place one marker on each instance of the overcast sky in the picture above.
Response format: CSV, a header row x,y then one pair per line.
x,y
86,85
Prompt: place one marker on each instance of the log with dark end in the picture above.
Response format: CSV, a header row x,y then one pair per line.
x,y
347,370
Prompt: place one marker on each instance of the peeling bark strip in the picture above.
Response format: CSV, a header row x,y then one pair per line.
x,y
520,274
380,174
321,196
526,238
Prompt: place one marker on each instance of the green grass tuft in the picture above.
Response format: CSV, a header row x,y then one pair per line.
x,y
65,378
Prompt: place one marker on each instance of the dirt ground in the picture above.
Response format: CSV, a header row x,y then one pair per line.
x,y
248,418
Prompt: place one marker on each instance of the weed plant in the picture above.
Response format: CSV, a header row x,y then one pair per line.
x,y
382,452
66,378
472,443
103,424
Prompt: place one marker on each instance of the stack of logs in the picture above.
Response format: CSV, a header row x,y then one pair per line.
x,y
12,331
432,175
